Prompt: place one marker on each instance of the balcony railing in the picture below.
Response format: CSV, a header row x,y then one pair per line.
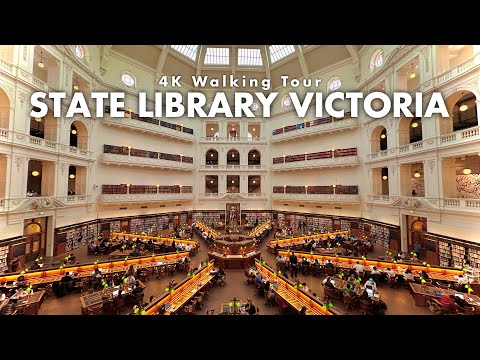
x,y
455,138
457,70
314,127
39,203
232,196
469,204
132,198
233,167
313,190
321,198
230,139
420,202
339,157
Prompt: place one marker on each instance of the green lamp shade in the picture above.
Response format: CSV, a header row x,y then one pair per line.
x,y
466,286
295,287
188,274
135,311
105,286
204,263
166,289
41,258
230,303
324,307
279,272
423,281
239,304
126,257
330,304
300,286
172,291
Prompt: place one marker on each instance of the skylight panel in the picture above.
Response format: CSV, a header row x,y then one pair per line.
x,y
189,51
278,52
249,57
217,56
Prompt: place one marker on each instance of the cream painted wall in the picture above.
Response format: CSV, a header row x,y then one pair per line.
x,y
464,226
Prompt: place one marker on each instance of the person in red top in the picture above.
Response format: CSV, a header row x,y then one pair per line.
x,y
447,302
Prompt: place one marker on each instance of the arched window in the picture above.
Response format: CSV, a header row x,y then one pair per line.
x,y
286,101
334,83
79,52
128,79
376,60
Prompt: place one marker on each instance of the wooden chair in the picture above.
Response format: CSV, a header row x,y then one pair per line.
x,y
94,310
392,282
350,301
366,307
330,271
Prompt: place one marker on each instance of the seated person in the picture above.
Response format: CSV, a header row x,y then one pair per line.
x,y
97,273
372,284
462,281
461,302
359,268
305,287
329,265
35,265
303,310
137,289
130,280
424,275
390,273
408,276
20,293
447,302
250,308
258,280
136,251
328,282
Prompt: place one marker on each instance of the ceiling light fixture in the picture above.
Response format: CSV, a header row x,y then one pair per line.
x,y
211,155
383,136
412,74
211,129
233,155
463,107
211,181
41,65
74,132
38,119
253,129
71,176
384,177
233,181
467,171
417,174
253,155
253,181
414,124
35,173
75,85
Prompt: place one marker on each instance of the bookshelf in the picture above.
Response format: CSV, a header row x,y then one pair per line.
x,y
115,226
137,225
163,222
208,218
3,259
344,224
380,235
250,217
281,220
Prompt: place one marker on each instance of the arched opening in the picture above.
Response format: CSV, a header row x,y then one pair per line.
x,y
449,56
211,158
78,135
408,76
233,183
4,110
34,233
254,185
417,228
462,108
46,67
379,139
253,157
409,130
72,179
44,127
211,184
233,157
34,178
211,129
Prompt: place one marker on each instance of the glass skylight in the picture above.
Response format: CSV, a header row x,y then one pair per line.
x,y
190,51
278,52
217,56
249,57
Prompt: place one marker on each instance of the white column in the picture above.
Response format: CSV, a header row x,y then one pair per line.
x,y
50,235
478,111
243,184
393,171
403,232
404,180
448,179
222,184
430,171
18,176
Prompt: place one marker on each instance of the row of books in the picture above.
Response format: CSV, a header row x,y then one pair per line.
x,y
123,150
317,155
306,124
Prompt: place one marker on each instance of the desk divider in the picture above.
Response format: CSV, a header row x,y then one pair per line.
x,y
289,287
308,237
177,290
155,238
377,263
255,231
91,267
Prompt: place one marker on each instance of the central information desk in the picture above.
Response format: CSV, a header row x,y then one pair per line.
x,y
297,298
175,299
85,270
234,261
300,240
434,272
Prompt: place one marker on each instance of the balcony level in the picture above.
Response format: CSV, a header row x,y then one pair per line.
x,y
314,127
127,193
324,159
454,139
128,156
425,203
214,168
232,196
150,125
323,194
233,140
39,203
